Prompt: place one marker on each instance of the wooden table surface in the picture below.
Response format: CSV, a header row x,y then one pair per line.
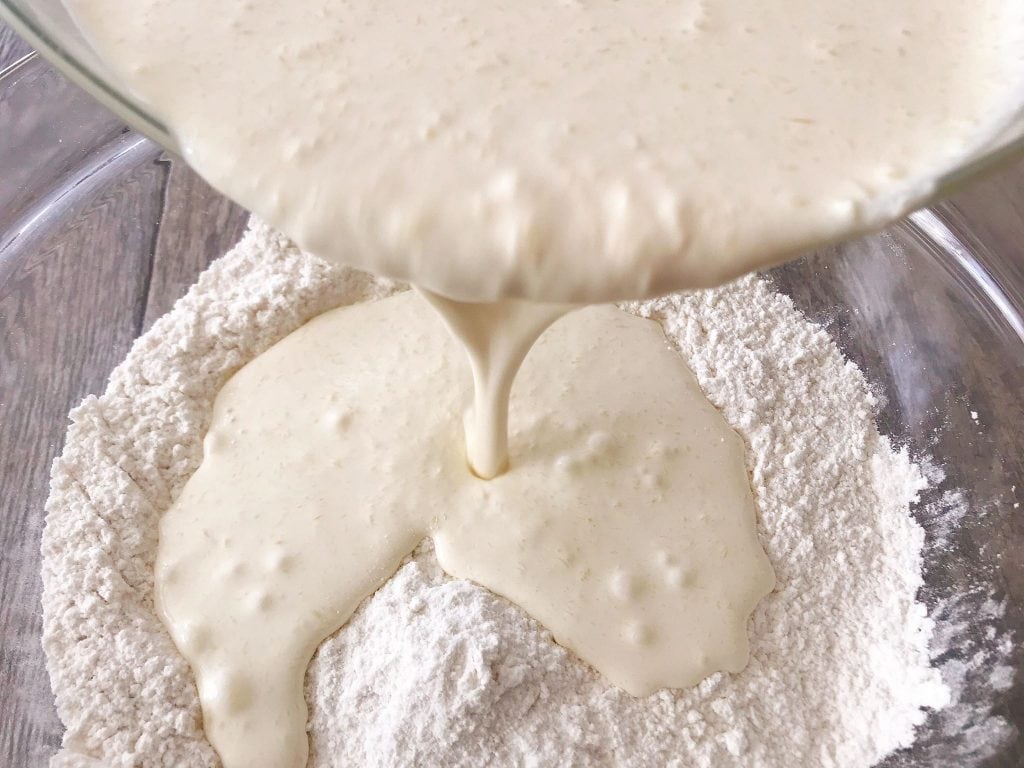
x,y
62,330
144,268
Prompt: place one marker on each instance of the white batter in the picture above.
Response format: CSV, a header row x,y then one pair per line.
x,y
568,150
625,523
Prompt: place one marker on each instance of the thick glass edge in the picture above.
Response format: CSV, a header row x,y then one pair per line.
x,y
999,279
83,76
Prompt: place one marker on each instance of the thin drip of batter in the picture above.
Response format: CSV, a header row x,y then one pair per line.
x,y
497,337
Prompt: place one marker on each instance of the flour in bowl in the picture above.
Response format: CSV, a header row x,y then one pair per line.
x,y
435,671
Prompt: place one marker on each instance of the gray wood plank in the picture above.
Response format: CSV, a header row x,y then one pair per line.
x,y
197,225
68,316
12,47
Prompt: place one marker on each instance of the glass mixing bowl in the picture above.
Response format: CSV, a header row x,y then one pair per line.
x,y
47,25
100,231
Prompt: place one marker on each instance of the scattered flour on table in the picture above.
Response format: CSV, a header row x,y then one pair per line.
x,y
433,671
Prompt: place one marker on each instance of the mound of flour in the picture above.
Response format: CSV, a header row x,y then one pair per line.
x,y
433,671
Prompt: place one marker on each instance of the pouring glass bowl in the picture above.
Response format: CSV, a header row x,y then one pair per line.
x,y
48,26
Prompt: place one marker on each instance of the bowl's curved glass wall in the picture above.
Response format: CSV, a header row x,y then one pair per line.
x,y
48,26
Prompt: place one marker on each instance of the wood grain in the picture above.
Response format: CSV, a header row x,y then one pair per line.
x,y
63,329
196,226
69,311
12,47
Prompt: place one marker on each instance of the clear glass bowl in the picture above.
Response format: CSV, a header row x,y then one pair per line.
x,y
100,231
48,26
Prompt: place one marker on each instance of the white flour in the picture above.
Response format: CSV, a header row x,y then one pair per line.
x,y
433,671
